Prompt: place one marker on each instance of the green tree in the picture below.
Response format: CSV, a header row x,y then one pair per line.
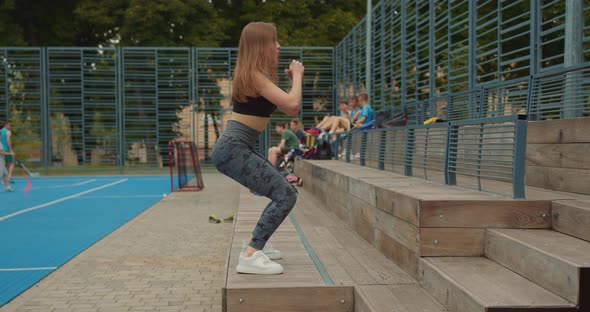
x,y
150,23
299,22
38,23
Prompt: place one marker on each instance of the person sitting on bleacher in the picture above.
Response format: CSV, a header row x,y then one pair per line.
x,y
346,120
366,116
296,127
354,112
289,141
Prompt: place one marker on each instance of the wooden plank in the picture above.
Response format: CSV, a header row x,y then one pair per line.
x,y
339,180
559,179
337,196
379,298
362,219
405,233
395,298
559,155
573,130
399,254
572,217
313,207
484,283
294,276
328,299
355,269
362,190
548,258
395,202
485,213
337,273
343,212
382,269
330,262
451,242
450,294
362,302
415,298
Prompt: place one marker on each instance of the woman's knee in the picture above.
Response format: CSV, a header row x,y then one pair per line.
x,y
291,197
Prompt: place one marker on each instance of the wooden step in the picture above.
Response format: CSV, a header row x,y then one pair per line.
x,y
379,284
553,260
302,287
394,298
572,217
470,284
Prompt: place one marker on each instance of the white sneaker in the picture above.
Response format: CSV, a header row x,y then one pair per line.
x,y
273,254
9,189
258,263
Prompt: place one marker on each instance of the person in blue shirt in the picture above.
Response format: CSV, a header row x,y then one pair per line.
x,y
366,111
355,111
6,140
3,171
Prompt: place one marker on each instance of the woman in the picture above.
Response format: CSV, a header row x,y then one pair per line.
x,y
255,96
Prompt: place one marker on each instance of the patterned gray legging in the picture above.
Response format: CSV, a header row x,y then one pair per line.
x,y
234,156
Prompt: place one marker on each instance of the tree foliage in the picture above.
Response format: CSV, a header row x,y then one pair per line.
x,y
199,23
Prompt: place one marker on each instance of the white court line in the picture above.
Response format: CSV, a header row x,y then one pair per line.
x,y
60,200
63,185
124,196
28,269
85,182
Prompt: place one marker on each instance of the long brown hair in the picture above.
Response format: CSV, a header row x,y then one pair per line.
x,y
255,53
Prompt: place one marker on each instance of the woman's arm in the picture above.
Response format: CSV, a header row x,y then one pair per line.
x,y
287,102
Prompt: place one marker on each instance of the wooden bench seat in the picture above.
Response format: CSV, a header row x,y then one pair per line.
x,y
328,267
301,288
472,251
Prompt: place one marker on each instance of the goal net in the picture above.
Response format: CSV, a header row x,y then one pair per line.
x,y
185,169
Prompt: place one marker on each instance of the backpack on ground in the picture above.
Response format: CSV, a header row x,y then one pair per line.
x,y
323,149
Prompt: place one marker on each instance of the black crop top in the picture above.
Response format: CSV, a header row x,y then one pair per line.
x,y
258,106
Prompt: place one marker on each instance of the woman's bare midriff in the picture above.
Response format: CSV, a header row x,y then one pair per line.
x,y
254,122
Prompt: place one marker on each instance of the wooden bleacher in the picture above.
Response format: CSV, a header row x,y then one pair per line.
x,y
472,251
361,239
301,288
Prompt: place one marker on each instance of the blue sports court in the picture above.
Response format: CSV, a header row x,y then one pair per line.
x,y
59,217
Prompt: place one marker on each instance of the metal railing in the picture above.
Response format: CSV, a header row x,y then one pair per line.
x,y
467,152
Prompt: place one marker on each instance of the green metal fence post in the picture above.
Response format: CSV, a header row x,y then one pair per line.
x,y
348,146
45,123
363,148
472,67
382,148
573,55
120,108
409,157
451,154
519,162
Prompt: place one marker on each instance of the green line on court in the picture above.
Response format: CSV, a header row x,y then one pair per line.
x,y
311,253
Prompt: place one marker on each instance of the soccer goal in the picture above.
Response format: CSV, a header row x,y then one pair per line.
x,y
185,169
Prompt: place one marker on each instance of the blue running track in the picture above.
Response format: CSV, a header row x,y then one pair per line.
x,y
60,217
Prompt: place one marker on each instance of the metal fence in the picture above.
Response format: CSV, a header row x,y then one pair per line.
x,y
471,59
119,107
469,153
